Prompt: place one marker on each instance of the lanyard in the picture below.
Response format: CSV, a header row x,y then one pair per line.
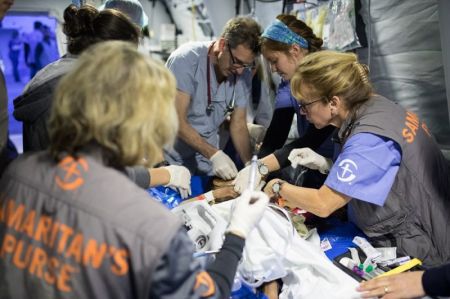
x,y
229,105
210,107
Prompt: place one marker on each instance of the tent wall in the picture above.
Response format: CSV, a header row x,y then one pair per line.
x,y
444,26
405,58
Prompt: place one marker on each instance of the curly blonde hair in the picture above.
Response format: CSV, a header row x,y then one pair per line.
x,y
116,98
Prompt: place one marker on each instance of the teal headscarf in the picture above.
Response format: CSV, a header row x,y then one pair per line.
x,y
278,31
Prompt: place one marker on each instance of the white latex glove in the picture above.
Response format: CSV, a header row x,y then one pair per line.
x,y
248,210
310,159
223,166
243,178
180,179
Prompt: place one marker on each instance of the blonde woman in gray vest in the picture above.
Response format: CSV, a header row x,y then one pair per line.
x,y
73,225
390,170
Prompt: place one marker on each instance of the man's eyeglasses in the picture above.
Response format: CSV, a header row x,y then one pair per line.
x,y
238,64
304,106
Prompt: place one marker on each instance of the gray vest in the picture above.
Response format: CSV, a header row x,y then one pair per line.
x,y
78,230
416,214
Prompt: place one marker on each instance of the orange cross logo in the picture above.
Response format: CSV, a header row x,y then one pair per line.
x,y
73,173
204,284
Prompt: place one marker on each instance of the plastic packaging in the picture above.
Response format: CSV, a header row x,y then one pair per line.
x,y
204,226
371,253
339,32
171,198
165,195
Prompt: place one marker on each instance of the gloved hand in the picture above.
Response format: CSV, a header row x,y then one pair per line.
x,y
223,166
248,210
180,179
243,179
309,158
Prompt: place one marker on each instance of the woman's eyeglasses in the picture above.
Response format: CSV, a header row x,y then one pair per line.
x,y
238,64
304,106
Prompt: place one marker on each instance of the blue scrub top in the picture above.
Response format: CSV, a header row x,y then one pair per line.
x,y
366,168
189,66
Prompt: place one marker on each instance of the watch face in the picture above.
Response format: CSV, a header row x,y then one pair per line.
x,y
276,187
263,170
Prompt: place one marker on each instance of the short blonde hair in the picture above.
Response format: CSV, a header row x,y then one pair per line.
x,y
119,99
330,73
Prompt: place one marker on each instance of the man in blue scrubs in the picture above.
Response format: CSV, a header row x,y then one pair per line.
x,y
210,89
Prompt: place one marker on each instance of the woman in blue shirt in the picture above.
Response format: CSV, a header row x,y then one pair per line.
x,y
390,170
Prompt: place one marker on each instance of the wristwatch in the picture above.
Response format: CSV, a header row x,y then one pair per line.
x,y
263,169
276,188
